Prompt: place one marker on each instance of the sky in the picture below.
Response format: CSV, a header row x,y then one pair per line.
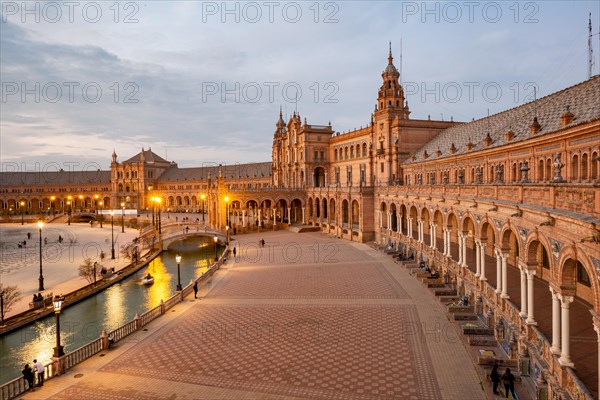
x,y
203,82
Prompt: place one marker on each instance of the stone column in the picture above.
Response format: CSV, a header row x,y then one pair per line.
x,y
447,237
464,251
399,222
303,215
409,227
530,317
274,218
555,349
523,312
389,221
504,294
482,261
498,272
597,329
244,218
380,218
565,355
289,215
259,218
432,235
477,259
460,252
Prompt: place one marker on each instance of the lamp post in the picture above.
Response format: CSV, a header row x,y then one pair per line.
x,y
41,278
95,262
52,205
22,205
158,201
80,203
152,200
216,239
58,350
69,210
227,235
2,307
101,216
203,197
96,204
112,234
123,218
178,259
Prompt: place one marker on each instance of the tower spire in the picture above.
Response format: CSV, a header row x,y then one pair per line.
x,y
390,58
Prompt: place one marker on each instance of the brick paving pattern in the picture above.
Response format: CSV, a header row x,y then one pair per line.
x,y
357,328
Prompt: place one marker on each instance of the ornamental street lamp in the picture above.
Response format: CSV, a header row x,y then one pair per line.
x,y
178,259
22,205
101,216
152,200
96,204
215,239
58,350
203,197
227,235
52,204
158,201
41,278
112,234
123,218
69,210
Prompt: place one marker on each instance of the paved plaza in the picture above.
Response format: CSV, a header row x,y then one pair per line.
x,y
306,316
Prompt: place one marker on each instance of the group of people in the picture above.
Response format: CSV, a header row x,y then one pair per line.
x,y
29,374
37,297
508,380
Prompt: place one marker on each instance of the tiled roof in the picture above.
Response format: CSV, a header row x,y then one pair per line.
x,y
149,157
54,178
234,171
583,100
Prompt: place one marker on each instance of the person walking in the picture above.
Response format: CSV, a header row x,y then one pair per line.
x,y
234,252
39,367
195,289
495,376
509,383
28,375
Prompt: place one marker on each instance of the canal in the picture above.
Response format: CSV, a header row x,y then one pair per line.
x,y
84,321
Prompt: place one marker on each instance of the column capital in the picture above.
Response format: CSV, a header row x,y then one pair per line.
x,y
530,273
565,300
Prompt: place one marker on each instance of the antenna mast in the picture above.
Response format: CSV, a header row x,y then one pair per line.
x,y
590,50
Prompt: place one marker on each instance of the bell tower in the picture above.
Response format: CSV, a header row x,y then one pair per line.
x,y
391,93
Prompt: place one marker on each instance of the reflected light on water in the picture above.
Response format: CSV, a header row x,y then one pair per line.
x,y
40,340
115,307
161,288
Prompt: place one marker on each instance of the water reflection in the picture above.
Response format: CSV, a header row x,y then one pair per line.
x,y
161,289
109,309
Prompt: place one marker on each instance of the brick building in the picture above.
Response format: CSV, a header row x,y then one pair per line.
x,y
507,207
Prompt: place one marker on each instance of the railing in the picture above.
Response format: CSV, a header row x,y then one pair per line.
x,y
18,386
82,353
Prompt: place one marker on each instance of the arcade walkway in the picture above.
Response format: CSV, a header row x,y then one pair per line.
x,y
305,317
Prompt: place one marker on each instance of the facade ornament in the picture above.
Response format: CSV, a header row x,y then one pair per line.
x,y
525,172
558,166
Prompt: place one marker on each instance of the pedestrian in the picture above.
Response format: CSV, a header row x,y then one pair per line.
x,y
28,375
39,367
495,376
509,383
234,252
28,235
45,241
195,289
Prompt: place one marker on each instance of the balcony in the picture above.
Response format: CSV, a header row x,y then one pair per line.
x,y
578,198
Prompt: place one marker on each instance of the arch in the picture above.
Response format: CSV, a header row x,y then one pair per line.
x,y
355,215
345,212
332,211
317,208
394,212
595,173
575,167
324,206
383,214
584,166
310,207
452,224
319,177
404,217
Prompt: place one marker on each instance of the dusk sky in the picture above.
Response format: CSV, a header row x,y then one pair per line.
x,y
202,82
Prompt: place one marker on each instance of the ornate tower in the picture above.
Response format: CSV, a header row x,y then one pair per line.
x,y
391,93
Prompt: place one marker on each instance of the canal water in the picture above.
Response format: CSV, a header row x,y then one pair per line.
x,y
109,309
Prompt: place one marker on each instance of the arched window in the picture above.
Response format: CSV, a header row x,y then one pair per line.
x,y
540,171
584,166
575,167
